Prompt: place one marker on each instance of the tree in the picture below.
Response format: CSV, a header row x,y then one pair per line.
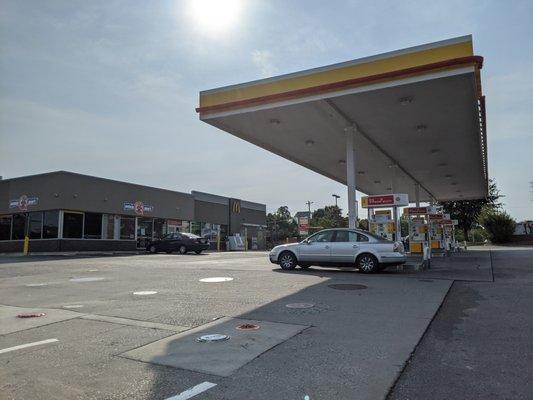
x,y
467,212
499,226
281,225
329,217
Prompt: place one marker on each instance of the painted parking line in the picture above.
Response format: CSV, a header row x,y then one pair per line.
x,y
23,346
190,393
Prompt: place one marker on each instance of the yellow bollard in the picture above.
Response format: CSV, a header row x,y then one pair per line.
x,y
26,248
218,241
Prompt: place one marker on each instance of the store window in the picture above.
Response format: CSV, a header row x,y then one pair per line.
x,y
160,228
92,226
108,226
5,227
35,225
19,226
127,228
50,224
72,225
196,228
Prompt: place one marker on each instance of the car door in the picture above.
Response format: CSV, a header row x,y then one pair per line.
x,y
177,240
317,248
345,247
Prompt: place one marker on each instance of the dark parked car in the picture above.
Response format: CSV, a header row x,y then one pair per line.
x,y
180,242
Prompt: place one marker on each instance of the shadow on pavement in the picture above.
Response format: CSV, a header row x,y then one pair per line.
x,y
356,341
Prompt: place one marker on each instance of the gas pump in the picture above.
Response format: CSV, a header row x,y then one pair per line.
x,y
436,235
381,222
418,228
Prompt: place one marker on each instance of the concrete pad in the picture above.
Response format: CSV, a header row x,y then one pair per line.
x,y
134,322
217,358
9,322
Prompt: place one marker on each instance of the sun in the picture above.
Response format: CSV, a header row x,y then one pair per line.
x,y
215,15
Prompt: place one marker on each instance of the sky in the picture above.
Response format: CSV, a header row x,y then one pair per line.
x,y
109,88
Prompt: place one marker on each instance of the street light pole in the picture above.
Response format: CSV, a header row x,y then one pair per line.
x,y
309,207
336,197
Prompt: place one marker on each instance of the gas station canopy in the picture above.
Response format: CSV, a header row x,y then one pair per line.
x,y
417,116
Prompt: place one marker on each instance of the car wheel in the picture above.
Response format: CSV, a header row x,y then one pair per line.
x,y
287,261
152,249
198,251
182,249
367,263
169,252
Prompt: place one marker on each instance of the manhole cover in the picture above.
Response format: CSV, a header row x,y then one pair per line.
x,y
73,306
215,337
31,315
347,286
425,280
86,279
216,279
247,327
144,292
299,305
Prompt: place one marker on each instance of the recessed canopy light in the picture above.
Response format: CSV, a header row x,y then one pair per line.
x,y
433,151
309,143
361,172
454,183
389,188
448,176
458,191
442,164
406,100
421,128
342,162
376,182
274,121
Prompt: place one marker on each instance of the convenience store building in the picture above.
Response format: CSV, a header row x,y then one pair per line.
x,y
65,211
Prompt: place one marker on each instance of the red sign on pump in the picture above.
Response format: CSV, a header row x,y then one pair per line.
x,y
416,210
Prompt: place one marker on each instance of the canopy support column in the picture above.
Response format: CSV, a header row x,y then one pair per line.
x,y
351,174
417,194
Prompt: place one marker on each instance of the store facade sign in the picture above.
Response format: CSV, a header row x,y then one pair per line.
x,y
23,202
235,206
385,200
138,207
435,217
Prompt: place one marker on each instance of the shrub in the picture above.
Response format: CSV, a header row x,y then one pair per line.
x,y
499,226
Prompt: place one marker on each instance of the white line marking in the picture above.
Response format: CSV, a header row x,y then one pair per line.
x,y
189,393
23,346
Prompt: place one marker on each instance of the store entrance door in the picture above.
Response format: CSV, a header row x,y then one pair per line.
x,y
144,232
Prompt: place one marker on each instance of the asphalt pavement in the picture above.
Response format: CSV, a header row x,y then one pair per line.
x,y
126,327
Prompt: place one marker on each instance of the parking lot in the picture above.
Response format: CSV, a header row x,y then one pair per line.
x,y
127,327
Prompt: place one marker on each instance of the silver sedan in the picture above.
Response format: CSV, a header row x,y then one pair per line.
x,y
340,247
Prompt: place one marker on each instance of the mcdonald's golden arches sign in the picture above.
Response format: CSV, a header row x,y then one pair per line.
x,y
235,206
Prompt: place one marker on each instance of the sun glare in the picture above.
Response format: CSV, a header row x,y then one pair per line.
x,y
215,15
